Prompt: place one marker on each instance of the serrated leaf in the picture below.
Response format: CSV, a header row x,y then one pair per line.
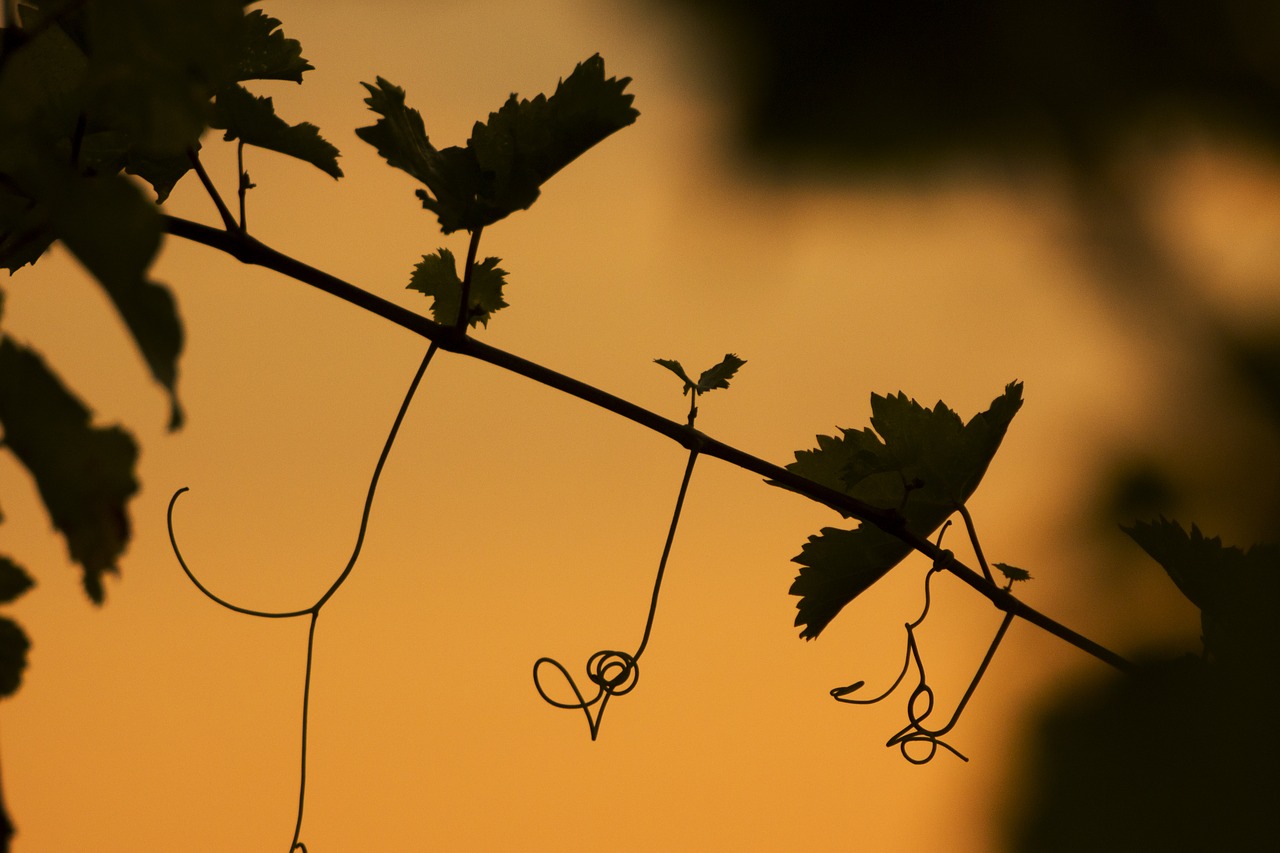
x,y
400,137
719,376
836,567
527,141
507,158
14,580
115,232
923,463
85,474
14,646
1012,573
267,54
437,276
253,119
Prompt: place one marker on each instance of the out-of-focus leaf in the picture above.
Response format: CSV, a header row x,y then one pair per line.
x,y
253,119
154,65
14,580
437,276
1238,592
268,55
923,463
85,474
114,232
13,656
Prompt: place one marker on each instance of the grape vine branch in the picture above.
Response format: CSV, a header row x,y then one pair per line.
x,y
247,249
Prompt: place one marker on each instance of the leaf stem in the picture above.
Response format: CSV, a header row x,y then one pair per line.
x,y
243,181
464,305
228,221
977,548
248,250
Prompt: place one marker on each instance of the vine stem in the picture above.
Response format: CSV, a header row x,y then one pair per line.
x,y
248,250
228,220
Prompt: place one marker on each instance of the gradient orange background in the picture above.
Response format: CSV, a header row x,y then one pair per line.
x,y
515,522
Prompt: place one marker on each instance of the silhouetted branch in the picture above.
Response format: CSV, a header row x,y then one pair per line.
x,y
250,251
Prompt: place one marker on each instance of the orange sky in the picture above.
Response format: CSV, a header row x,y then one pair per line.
x,y
514,522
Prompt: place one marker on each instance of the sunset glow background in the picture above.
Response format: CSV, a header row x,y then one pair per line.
x,y
514,522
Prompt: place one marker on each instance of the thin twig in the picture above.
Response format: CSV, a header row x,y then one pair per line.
x,y
228,221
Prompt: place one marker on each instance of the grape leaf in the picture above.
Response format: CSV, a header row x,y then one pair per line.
x,y
1238,592
525,142
85,474
507,158
437,276
13,656
923,463
115,232
253,119
711,379
14,580
267,54
400,137
1013,573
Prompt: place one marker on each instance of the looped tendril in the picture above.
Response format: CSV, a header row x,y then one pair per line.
x,y
314,610
921,702
616,673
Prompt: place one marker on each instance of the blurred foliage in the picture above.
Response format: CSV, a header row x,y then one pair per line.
x,y
847,88
917,80
1183,755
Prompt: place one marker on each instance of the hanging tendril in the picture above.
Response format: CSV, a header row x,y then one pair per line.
x,y
614,672
314,610
920,704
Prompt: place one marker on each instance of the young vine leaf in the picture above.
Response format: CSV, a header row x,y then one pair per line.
x,y
711,378
437,276
85,474
1012,574
923,463
507,158
253,119
1237,592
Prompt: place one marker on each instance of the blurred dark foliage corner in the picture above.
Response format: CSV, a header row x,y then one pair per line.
x,y
1182,756
1090,91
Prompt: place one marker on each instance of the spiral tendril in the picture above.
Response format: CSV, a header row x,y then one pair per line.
x,y
613,672
920,704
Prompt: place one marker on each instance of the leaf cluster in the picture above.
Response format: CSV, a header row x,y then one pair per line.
x,y
507,159
436,276
711,378
91,92
921,463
